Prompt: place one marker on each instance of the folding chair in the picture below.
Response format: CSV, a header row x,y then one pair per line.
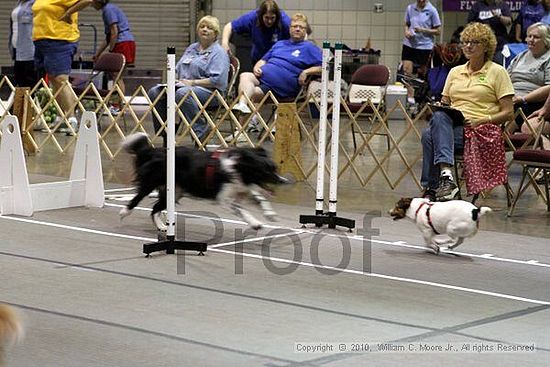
x,y
231,92
314,97
533,157
218,111
368,83
111,64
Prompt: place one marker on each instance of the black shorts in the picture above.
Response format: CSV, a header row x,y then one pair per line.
x,y
418,57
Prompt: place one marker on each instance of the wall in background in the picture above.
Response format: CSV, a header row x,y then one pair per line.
x,y
351,21
159,22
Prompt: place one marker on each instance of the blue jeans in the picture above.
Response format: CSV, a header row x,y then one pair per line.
x,y
189,107
439,141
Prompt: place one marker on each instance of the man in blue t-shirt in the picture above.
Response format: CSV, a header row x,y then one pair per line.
x,y
284,68
265,25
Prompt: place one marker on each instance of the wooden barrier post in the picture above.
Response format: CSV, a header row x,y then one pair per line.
x,y
287,151
23,111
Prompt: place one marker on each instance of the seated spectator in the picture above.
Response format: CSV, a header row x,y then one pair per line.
x,y
530,70
482,90
265,25
284,68
203,68
541,115
530,13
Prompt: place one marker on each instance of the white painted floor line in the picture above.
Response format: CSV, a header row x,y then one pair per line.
x,y
349,271
402,244
391,277
81,229
120,189
248,240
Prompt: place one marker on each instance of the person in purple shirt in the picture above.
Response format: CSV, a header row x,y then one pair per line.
x,y
496,14
266,25
284,68
422,24
530,13
118,37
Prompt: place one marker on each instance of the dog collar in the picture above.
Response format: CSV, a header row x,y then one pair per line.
x,y
427,215
211,167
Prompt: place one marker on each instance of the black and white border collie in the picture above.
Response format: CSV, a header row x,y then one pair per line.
x,y
230,176
458,219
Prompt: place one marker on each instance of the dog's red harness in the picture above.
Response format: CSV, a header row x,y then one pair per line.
x,y
211,167
427,215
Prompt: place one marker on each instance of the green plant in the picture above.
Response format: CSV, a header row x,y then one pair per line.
x,y
42,97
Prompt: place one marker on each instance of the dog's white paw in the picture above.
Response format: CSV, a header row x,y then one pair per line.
x,y
435,248
160,221
124,212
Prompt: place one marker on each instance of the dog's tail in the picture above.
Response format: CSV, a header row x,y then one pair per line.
x,y
479,212
136,143
11,329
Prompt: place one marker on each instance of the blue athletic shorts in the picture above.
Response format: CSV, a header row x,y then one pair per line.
x,y
54,56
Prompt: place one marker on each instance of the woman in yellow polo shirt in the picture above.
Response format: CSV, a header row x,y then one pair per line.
x,y
482,91
56,42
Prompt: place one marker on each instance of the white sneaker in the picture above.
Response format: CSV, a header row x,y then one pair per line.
x,y
65,129
241,106
74,124
114,110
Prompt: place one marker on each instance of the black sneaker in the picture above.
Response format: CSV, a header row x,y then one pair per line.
x,y
447,189
429,194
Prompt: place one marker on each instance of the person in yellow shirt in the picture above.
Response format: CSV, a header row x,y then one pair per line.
x,y
482,91
56,42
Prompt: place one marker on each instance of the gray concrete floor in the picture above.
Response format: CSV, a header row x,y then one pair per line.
x,y
90,298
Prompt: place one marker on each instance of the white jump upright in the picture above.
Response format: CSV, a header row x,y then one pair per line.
x,y
85,185
320,218
170,244
15,192
319,200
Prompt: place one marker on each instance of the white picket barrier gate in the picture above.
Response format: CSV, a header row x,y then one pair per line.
x,y
85,185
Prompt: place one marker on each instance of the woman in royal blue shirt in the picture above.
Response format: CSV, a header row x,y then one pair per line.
x,y
265,25
284,68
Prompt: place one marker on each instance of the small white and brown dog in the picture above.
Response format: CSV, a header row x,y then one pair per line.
x,y
11,329
457,219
